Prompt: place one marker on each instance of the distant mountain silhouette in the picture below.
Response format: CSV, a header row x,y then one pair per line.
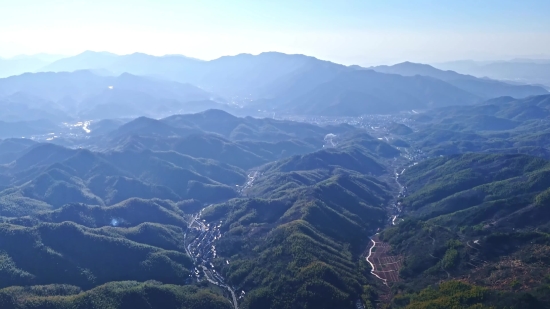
x,y
252,77
301,81
526,71
84,61
368,92
83,94
21,64
244,76
25,128
485,88
172,67
40,56
104,85
26,107
81,84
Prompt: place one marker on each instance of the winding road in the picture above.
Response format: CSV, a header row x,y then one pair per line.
x,y
372,265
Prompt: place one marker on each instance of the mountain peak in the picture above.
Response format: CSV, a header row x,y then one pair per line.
x,y
91,52
409,63
217,113
126,75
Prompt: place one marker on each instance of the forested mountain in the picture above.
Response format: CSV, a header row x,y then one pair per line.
x,y
83,213
147,158
201,207
503,124
470,225
305,220
407,188
481,217
257,129
313,156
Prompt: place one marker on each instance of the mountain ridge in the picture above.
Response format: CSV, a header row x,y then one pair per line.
x,y
482,87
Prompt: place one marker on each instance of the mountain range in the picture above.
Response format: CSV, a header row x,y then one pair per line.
x,y
482,87
191,208
260,74
516,71
25,63
101,85
83,212
158,182
85,95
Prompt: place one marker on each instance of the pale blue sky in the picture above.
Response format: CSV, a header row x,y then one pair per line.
x,y
350,32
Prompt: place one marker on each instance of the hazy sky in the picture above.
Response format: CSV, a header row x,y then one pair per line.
x,y
351,32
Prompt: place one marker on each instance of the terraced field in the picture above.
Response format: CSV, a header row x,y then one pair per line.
x,y
385,266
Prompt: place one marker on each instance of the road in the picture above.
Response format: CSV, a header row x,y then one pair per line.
x,y
372,265
211,278
249,182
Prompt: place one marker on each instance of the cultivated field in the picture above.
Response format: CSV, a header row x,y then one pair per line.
x,y
385,266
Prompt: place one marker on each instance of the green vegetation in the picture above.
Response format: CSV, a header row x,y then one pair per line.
x,y
502,125
400,129
76,255
450,294
475,216
92,229
297,242
460,295
94,219
114,295
106,179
